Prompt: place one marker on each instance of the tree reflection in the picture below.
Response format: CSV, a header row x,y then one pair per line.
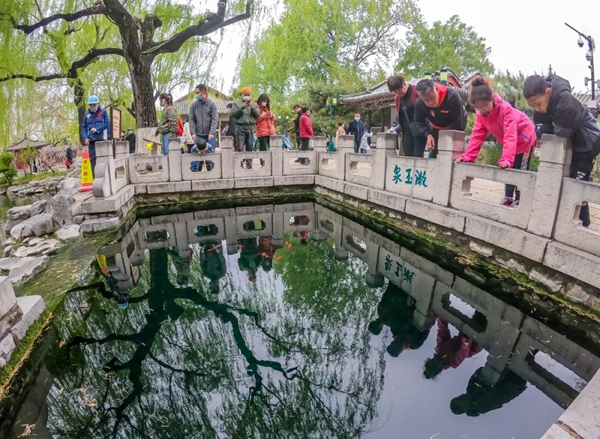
x,y
179,365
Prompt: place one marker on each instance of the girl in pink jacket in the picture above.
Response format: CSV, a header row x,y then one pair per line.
x,y
511,127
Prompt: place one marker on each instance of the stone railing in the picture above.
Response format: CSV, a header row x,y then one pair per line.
x,y
544,226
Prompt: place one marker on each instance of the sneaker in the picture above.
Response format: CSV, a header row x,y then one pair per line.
x,y
508,201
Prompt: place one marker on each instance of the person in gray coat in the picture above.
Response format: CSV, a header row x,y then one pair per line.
x,y
204,118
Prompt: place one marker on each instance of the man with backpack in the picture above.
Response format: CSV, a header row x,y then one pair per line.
x,y
204,118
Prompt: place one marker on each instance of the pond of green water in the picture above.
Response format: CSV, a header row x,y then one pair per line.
x,y
287,323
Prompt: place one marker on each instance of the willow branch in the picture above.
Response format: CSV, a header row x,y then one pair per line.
x,y
29,28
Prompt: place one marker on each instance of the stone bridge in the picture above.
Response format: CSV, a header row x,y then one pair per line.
x,y
539,237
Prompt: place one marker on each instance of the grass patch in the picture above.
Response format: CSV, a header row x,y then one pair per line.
x,y
23,352
31,177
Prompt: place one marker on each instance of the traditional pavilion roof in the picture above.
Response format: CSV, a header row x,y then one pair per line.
x,y
585,98
27,143
182,105
379,95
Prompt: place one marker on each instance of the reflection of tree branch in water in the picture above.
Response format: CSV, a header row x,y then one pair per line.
x,y
161,300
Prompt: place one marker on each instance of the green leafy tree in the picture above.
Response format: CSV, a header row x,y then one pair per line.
x,y
139,33
319,44
7,167
451,44
510,87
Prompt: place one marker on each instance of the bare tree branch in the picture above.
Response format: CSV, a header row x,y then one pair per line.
x,y
29,28
210,24
91,56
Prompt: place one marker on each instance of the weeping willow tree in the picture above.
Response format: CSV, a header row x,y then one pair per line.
x,y
327,44
125,51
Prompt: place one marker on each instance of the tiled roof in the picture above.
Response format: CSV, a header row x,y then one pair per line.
x,y
380,96
183,106
586,99
27,143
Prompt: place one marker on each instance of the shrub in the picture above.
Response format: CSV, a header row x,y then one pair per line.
x,y
7,167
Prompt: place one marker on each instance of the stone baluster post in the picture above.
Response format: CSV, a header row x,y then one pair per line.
x,y
385,145
227,157
276,143
121,149
555,161
346,147
175,172
320,146
450,146
104,152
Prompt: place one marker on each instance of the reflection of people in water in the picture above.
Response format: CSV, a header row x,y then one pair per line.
x,y
182,265
113,286
267,251
481,398
212,262
450,352
301,220
250,258
396,310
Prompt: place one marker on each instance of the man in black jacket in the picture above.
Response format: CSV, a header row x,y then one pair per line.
x,y
356,128
297,109
231,126
439,107
131,139
558,112
406,97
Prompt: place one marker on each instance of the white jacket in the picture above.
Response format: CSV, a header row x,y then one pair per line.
x,y
187,136
364,142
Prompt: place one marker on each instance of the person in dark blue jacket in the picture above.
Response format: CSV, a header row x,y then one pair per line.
x,y
95,127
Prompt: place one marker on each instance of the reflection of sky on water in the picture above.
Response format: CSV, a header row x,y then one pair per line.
x,y
298,331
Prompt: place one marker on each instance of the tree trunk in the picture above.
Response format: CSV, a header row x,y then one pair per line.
x,y
78,100
143,91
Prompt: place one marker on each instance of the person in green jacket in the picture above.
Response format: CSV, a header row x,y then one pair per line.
x,y
168,122
245,112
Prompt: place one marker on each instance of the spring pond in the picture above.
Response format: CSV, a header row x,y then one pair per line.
x,y
292,321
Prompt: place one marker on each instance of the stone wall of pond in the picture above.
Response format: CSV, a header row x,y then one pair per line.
x,y
544,228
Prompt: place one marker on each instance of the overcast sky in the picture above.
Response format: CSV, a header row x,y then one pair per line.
x,y
523,35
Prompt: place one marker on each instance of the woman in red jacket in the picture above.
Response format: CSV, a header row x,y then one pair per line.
x,y
265,128
306,129
511,127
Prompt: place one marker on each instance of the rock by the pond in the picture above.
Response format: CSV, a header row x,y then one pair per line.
x,y
68,232
44,247
19,213
78,219
25,268
60,207
35,226
3,189
70,183
38,207
7,250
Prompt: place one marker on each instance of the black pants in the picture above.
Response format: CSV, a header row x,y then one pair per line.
x,y
356,144
92,151
264,143
522,163
582,165
244,141
413,146
304,144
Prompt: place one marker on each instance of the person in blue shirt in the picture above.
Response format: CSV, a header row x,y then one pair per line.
x,y
95,127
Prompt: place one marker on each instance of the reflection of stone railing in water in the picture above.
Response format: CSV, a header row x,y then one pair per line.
x,y
543,228
512,338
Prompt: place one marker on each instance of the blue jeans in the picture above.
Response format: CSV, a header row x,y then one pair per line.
x,y
165,142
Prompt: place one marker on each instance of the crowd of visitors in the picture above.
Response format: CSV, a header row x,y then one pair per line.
x,y
423,110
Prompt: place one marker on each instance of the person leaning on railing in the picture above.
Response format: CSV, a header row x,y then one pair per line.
x,y
511,127
558,112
